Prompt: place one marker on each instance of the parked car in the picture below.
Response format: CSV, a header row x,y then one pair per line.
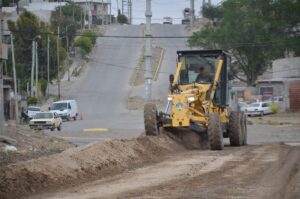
x,y
258,108
277,99
32,110
66,109
46,120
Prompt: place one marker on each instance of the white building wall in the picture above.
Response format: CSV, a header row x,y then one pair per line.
x,y
286,68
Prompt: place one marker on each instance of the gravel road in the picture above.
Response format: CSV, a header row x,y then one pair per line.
x,y
168,166
268,171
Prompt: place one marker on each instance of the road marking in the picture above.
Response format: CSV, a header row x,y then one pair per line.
x,y
82,138
95,130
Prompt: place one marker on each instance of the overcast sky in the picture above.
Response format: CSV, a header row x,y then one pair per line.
x,y
160,9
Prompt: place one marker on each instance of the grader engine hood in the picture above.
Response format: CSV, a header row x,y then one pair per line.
x,y
190,102
180,111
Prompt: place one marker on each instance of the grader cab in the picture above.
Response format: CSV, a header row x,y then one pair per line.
x,y
198,96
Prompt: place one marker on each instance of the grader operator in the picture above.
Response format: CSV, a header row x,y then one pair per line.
x,y
198,95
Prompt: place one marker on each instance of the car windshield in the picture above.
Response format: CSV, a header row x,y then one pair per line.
x,y
34,109
43,116
59,106
197,69
253,105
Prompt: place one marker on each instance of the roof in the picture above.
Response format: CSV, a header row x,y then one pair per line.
x,y
274,80
37,6
216,52
90,1
64,101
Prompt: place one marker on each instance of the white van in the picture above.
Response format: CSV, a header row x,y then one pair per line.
x,y
66,109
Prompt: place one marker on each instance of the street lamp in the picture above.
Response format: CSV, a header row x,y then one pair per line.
x,y
34,60
68,58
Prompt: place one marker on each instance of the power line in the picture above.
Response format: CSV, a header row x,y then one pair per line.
x,y
164,72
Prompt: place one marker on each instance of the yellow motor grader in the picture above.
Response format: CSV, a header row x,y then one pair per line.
x,y
198,96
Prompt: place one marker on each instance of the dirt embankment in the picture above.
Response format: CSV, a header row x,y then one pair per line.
x,y
158,167
83,164
28,144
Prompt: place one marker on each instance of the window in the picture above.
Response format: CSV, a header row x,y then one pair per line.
x,y
192,64
266,90
59,106
265,105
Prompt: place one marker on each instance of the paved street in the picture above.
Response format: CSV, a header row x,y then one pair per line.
x,y
103,89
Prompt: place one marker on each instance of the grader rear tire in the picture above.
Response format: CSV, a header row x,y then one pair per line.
x,y
235,129
151,120
214,131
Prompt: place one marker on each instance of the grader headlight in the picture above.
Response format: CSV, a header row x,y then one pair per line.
x,y
170,98
191,99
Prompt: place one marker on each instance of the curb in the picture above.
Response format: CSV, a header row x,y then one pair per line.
x,y
162,54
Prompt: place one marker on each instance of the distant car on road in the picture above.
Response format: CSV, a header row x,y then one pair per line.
x,y
46,120
258,108
32,110
167,20
66,109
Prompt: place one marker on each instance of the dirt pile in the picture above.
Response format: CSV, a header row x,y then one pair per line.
x,y
28,144
81,164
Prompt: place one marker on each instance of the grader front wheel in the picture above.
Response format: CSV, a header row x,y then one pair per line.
x,y
214,131
151,120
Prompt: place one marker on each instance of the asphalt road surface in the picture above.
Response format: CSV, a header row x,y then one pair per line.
x,y
104,88
102,92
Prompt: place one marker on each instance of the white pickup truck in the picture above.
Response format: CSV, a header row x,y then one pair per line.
x,y
46,120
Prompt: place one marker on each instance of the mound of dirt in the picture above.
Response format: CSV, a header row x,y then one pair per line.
x,y
28,144
81,164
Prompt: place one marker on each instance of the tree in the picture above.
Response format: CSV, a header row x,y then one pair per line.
x,y
255,32
122,19
214,13
24,30
69,18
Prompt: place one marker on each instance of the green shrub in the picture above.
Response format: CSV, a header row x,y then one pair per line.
x,y
274,107
91,35
31,100
85,44
122,19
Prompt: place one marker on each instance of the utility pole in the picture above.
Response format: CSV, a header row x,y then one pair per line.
x,y
15,79
32,67
127,9
68,53
130,11
148,52
192,11
102,13
48,64
1,79
110,16
58,79
36,70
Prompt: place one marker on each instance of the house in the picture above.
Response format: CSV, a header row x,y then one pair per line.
x,y
98,10
8,98
285,82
